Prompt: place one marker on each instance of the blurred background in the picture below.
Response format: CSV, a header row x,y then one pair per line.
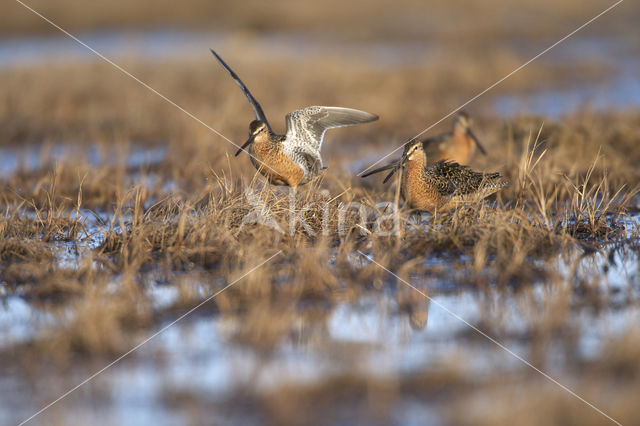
x,y
412,62
71,123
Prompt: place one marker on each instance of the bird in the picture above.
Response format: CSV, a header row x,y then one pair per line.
x,y
458,145
439,187
294,158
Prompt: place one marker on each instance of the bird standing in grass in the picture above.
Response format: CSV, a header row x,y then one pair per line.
x,y
294,158
441,186
458,145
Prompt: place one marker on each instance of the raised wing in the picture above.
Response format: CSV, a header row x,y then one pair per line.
x,y
254,103
306,127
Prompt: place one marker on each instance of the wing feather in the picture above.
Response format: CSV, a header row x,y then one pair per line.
x,y
254,103
307,126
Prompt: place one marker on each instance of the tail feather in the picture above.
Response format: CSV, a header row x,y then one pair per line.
x,y
495,180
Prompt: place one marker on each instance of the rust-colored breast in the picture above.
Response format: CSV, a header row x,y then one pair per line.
x,y
417,192
274,164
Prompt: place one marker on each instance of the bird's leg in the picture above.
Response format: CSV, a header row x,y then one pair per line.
x,y
412,219
418,217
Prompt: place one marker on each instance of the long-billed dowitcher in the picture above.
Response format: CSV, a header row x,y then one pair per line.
x,y
441,186
457,145
294,158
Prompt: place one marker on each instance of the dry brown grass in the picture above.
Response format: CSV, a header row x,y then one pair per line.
x,y
176,231
177,222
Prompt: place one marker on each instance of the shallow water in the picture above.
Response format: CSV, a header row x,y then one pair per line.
x,y
198,355
620,92
33,157
620,88
164,44
152,45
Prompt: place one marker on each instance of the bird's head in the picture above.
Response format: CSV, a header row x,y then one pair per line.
x,y
462,124
256,128
412,150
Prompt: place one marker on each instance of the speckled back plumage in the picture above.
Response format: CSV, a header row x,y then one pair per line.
x,y
441,186
453,179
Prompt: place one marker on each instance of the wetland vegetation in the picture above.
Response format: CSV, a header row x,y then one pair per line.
x,y
120,213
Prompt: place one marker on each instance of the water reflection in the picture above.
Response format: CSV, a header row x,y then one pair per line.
x,y
383,334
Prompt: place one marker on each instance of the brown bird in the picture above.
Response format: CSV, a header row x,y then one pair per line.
x,y
294,158
458,145
441,186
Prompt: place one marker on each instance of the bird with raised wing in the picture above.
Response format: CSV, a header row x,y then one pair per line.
x,y
294,158
441,186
